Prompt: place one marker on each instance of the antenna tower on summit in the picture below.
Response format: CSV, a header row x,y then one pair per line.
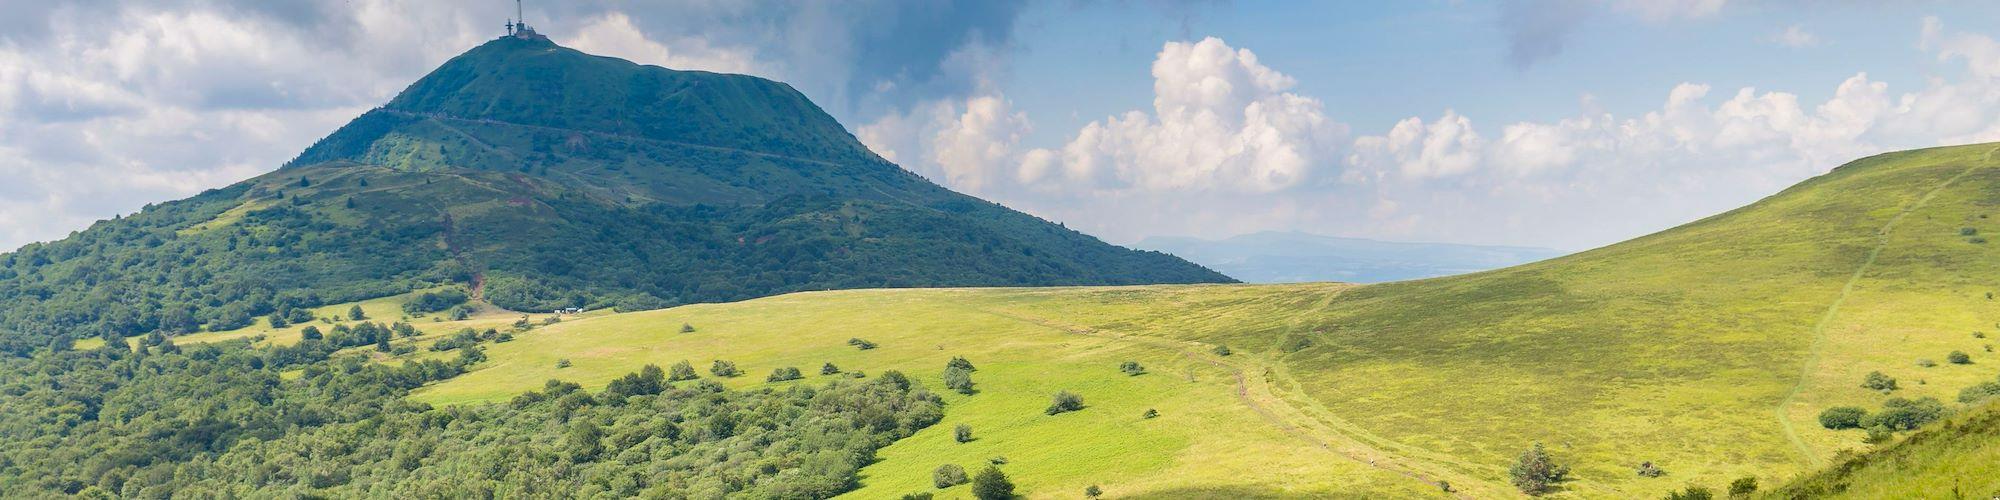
x,y
518,26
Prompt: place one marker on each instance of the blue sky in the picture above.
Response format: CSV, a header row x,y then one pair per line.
x,y
1560,123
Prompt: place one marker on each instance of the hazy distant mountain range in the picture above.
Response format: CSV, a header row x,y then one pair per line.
x,y
1290,257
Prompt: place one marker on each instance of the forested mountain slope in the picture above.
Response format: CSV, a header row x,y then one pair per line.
x,y
545,178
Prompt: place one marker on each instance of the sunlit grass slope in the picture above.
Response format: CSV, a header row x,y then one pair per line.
x,y
1954,459
1706,349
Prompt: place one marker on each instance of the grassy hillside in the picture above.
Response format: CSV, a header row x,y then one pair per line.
x,y
1953,459
1707,350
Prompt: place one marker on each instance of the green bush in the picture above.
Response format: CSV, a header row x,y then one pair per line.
x,y
962,433
1979,392
1222,350
828,369
1064,402
1958,358
861,344
1743,486
1647,469
784,374
724,369
1879,382
1899,414
1131,368
1692,493
1536,473
681,371
948,475
960,363
1842,417
992,485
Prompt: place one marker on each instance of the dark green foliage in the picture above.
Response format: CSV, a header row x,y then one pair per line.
x,y
1901,414
219,421
861,344
921,495
278,320
1131,368
1647,469
1930,452
958,378
1150,413
1064,402
430,302
1842,417
991,484
1222,350
1742,486
648,381
1958,358
1294,343
1979,392
687,328
961,363
563,363
962,433
682,371
1967,231
724,369
1093,492
356,314
948,475
310,332
828,369
1879,382
1537,473
784,374
1926,363
1692,492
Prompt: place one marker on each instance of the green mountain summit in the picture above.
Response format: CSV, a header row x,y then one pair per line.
x,y
544,178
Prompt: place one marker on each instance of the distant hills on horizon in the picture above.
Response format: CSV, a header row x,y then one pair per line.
x,y
1296,257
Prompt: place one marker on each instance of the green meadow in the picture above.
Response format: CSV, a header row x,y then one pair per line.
x,y
1707,350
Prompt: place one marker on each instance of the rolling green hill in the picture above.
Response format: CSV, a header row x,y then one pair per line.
x,y
1708,350
544,178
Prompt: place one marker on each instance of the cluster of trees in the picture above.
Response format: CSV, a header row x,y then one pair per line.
x,y
1897,414
224,420
430,302
958,375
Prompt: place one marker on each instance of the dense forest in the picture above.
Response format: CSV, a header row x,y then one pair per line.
x,y
315,421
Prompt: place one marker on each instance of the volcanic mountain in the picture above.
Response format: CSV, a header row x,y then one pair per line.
x,y
541,177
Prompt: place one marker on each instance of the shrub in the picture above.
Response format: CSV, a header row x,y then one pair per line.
x,y
1743,486
1131,368
997,460
1647,469
1842,417
1150,413
279,321
921,495
562,363
311,333
1063,402
828,369
681,371
1295,343
1967,231
960,363
861,344
992,485
687,328
1537,473
948,475
1981,335
1692,493
1093,492
1879,434
356,314
1899,414
1879,382
958,380
1926,363
784,374
1979,392
1222,350
724,369
1958,358
962,433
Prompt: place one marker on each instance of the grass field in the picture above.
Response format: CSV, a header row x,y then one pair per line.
x,y
1707,349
